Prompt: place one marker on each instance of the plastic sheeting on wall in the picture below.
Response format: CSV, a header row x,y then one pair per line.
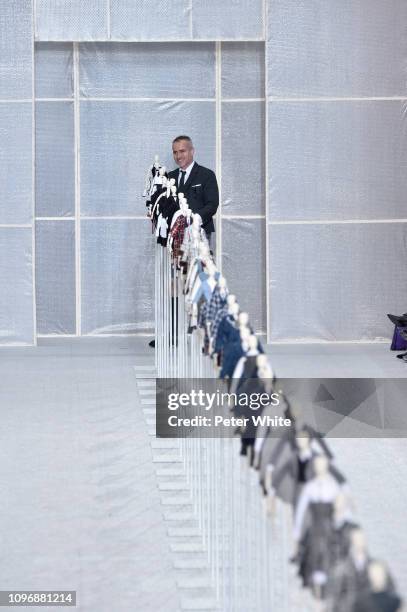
x,y
243,153
243,70
55,277
347,48
148,70
16,50
228,19
16,286
337,160
336,281
119,140
55,159
53,70
117,276
150,19
16,200
71,20
243,264
144,20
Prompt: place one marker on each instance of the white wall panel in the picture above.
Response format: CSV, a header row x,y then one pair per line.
x,y
16,162
243,264
150,19
53,70
346,48
15,49
71,19
119,140
55,159
117,276
16,286
243,149
336,282
337,160
145,70
228,19
243,70
55,277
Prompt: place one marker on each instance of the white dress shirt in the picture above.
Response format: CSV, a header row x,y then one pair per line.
x,y
187,173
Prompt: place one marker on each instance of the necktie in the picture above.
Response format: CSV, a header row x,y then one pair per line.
x,y
182,182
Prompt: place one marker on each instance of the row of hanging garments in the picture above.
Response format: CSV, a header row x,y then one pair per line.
x,y
168,211
295,467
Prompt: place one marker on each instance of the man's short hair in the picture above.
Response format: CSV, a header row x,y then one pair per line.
x,y
182,137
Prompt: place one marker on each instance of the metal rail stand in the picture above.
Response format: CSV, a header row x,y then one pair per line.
x,y
247,551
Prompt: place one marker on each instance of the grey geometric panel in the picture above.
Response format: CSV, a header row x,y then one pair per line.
x,y
71,20
119,141
150,19
16,49
148,70
16,288
55,276
53,70
228,19
337,160
243,264
336,282
55,159
243,70
16,199
243,154
117,276
347,48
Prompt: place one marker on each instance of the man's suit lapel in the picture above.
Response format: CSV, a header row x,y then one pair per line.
x,y
190,180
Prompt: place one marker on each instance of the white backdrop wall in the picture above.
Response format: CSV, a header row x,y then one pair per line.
x,y
102,111
336,210
17,321
308,142
150,20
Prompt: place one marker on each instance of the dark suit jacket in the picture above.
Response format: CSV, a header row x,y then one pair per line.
x,y
201,191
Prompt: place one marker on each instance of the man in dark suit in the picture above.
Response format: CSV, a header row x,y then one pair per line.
x,y
198,184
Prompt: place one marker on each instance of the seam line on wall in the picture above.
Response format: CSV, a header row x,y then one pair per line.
x,y
227,100
266,180
218,117
151,40
243,216
16,225
78,312
336,99
33,181
55,218
108,19
96,99
35,33
190,23
338,222
56,335
119,217
264,15
130,99
54,99
94,218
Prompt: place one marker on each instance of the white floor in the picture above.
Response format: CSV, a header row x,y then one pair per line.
x,y
80,506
